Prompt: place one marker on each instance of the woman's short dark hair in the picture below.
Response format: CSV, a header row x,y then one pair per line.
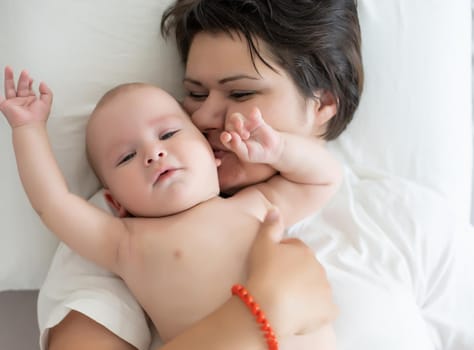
x,y
317,42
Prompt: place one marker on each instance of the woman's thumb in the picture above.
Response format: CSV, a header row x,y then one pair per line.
x,y
272,225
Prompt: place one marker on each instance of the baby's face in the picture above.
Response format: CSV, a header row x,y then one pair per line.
x,y
151,157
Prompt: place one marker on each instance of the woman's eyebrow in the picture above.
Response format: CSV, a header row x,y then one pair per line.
x,y
192,81
223,80
236,77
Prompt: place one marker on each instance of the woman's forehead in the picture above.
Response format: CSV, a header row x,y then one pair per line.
x,y
220,55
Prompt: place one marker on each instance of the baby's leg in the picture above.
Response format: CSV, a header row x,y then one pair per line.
x,y
323,339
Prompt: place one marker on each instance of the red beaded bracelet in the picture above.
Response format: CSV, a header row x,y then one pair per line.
x,y
243,294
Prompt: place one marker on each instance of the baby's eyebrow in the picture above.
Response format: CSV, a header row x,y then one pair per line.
x,y
116,149
160,120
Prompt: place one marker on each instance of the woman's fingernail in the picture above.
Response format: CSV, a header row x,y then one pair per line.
x,y
272,215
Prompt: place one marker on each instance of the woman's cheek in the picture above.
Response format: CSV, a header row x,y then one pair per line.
x,y
190,106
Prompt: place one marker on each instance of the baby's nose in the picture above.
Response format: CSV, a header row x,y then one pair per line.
x,y
155,156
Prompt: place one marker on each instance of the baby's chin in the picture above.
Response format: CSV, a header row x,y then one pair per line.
x,y
235,175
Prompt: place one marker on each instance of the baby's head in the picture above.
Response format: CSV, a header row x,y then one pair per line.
x,y
150,158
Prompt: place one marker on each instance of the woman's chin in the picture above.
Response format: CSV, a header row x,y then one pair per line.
x,y
234,175
229,182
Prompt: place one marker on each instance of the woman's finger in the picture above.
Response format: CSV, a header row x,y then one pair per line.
x,y
272,227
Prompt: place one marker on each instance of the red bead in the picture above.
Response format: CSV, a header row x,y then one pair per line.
x,y
244,295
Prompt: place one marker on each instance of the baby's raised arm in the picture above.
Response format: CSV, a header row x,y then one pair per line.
x,y
308,174
88,230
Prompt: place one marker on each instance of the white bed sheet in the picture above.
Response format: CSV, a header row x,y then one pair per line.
x,y
388,248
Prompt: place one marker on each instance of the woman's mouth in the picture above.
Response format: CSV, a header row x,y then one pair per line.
x,y
219,154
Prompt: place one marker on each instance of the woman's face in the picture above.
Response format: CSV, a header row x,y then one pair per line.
x,y
221,79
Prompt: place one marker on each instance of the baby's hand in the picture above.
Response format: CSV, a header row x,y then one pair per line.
x,y
251,139
21,105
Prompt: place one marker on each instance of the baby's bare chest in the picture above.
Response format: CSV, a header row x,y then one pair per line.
x,y
183,274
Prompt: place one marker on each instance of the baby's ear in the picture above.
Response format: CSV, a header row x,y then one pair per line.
x,y
116,207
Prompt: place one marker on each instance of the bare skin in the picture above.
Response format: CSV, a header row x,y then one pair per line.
x,y
78,331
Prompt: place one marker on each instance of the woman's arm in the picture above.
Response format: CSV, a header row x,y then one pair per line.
x,y
78,332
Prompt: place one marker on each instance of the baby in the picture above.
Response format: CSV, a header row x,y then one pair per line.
x,y
178,246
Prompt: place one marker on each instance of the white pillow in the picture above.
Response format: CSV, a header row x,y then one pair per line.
x,y
414,119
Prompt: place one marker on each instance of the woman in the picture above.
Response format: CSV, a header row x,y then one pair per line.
x,y
299,62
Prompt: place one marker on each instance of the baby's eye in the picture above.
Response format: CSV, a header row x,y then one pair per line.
x,y
126,158
241,95
168,134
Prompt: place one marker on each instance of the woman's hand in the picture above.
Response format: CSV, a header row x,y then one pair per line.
x,y
288,282
21,105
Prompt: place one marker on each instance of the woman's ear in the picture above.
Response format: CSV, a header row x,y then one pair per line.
x,y
116,207
324,109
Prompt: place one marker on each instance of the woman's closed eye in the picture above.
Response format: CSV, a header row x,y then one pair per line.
x,y
126,158
242,95
197,95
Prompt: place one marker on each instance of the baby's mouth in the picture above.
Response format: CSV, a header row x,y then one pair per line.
x,y
164,174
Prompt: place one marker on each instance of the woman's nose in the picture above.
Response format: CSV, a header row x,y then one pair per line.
x,y
210,114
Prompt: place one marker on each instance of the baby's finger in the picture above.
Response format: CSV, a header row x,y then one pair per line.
x,y
235,122
241,128
255,119
30,87
9,83
46,95
23,89
256,115
237,146
225,138
235,138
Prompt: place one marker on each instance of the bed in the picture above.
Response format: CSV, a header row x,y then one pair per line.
x,y
414,122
